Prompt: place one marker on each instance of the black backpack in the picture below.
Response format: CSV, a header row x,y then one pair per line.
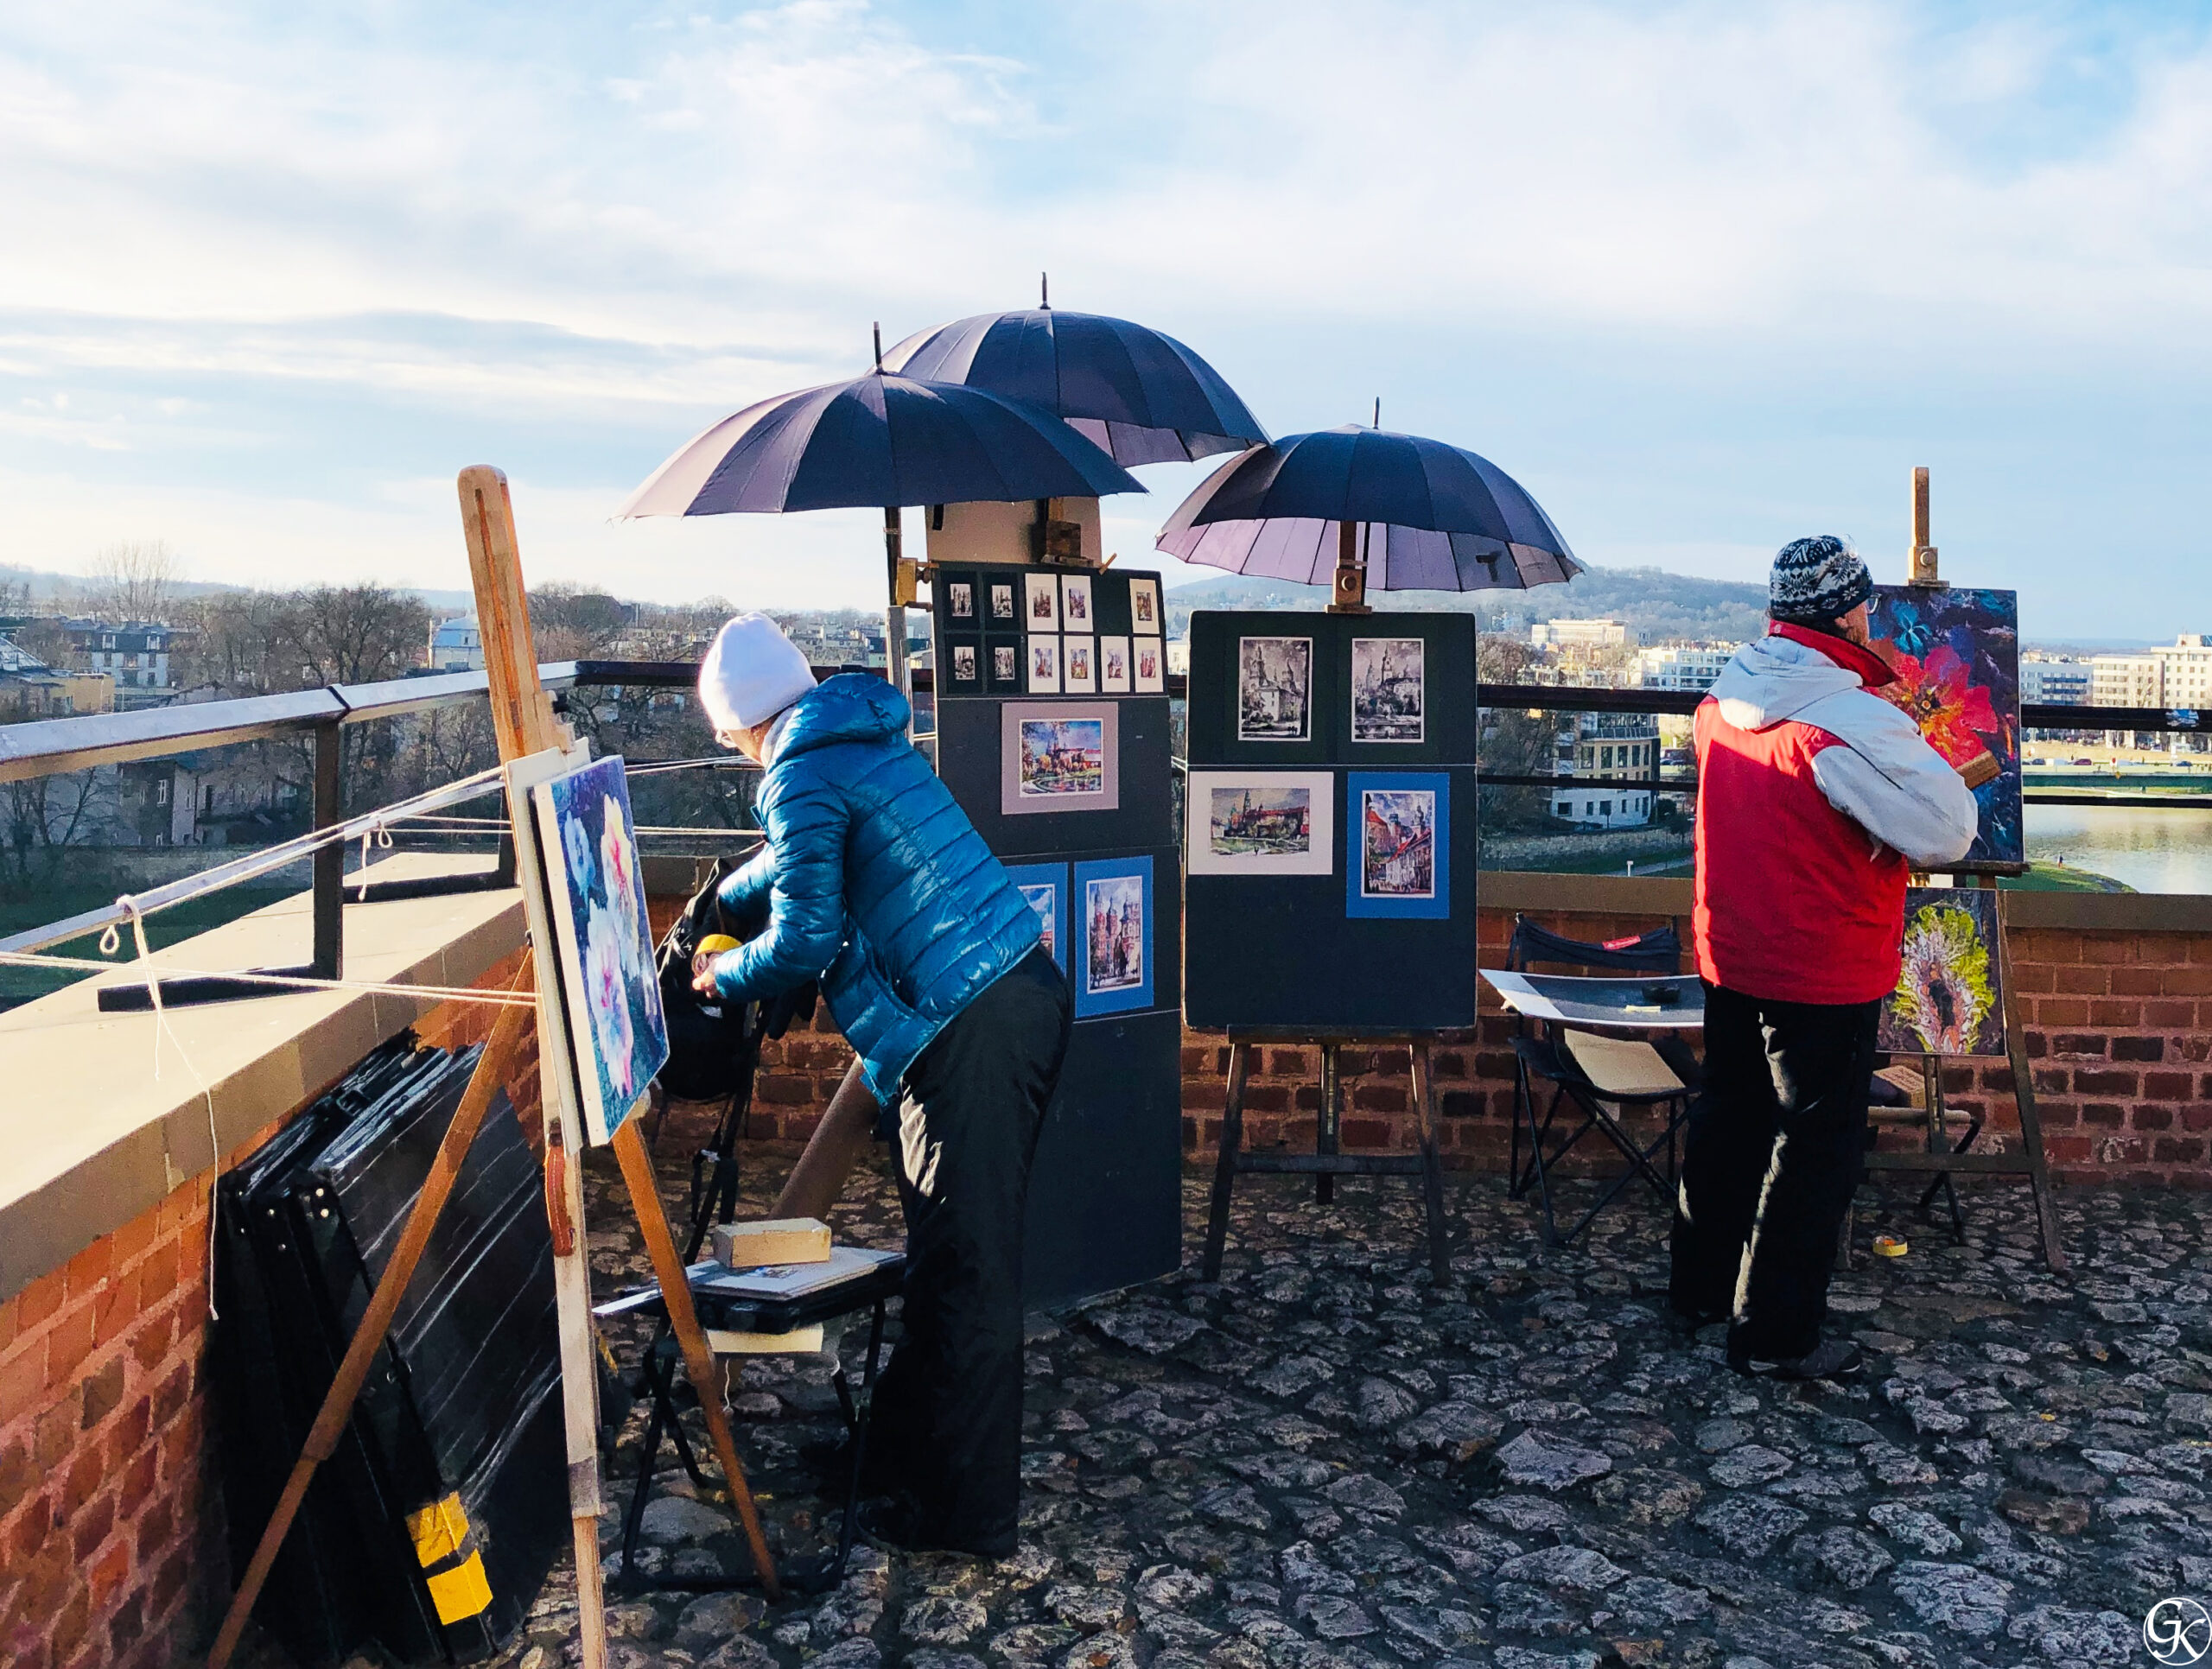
x,y
711,1043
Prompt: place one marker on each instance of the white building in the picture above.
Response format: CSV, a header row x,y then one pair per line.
x,y
1581,634
1621,748
2057,681
2127,681
456,646
1682,666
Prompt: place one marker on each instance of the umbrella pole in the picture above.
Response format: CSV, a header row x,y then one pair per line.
x,y
894,616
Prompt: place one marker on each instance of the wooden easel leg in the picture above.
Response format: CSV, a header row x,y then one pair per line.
x,y
684,1320
493,1068
1329,1130
1224,1170
1432,1166
2023,1098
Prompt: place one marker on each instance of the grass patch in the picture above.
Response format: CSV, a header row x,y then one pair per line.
x,y
21,985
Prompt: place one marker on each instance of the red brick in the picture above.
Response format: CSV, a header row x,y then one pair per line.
x,y
137,1480
2166,1085
128,1432
2100,1113
70,1624
156,1526
23,1381
2062,1011
58,1426
128,1623
116,1307
150,1343
2115,1012
2085,979
2153,1118
2104,1083
168,1581
110,1572
2169,1013
40,1300
82,1481
1380,1098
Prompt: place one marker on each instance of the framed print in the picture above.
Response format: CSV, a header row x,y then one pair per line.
x,y
1113,941
1041,607
1079,665
1260,822
1005,611
1113,666
1274,689
1044,887
1059,756
1003,675
1144,607
963,666
1044,666
1390,696
1076,612
1398,844
960,600
603,942
1150,677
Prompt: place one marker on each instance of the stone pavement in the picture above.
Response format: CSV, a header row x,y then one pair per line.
x,y
1323,1460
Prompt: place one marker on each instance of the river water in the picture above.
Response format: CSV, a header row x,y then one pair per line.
x,y
2152,851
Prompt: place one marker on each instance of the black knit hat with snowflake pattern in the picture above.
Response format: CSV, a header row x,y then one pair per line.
x,y
1816,581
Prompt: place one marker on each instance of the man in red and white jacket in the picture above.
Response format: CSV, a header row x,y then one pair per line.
x,y
1814,797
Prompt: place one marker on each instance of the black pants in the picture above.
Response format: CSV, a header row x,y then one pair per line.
x,y
948,1414
1773,1149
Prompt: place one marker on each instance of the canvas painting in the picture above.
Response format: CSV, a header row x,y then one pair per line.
x,y
1950,994
1043,592
1114,666
1002,609
1389,689
1260,822
1058,756
962,596
1398,844
1079,676
1063,758
1044,889
1113,943
1144,607
1274,689
1957,654
1006,666
1149,679
604,942
1075,603
1044,666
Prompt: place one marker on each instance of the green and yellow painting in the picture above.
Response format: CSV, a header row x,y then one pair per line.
x,y
1950,996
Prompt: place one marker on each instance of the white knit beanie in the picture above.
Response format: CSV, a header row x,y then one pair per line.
x,y
752,673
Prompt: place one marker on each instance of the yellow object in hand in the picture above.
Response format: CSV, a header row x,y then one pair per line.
x,y
709,947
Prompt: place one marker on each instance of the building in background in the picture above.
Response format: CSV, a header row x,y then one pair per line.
x,y
456,646
136,654
29,688
2058,680
1622,748
1681,666
1581,634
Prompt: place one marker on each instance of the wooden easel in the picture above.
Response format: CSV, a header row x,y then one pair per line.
x,y
521,715
2029,1162
1328,1161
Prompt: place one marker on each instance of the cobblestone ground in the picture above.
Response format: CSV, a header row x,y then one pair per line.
x,y
1325,1460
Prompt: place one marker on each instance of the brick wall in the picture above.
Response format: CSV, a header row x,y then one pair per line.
x,y
112,1538
2119,1028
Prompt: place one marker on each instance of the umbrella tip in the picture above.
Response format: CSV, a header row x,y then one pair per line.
x,y
879,344
1045,291
1378,405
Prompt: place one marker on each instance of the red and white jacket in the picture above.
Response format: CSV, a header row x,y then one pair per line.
x,y
1814,796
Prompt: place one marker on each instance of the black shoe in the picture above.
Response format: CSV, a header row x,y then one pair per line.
x,y
892,1524
1694,1317
1831,1359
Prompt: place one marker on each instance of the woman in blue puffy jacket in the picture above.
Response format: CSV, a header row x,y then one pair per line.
x,y
872,880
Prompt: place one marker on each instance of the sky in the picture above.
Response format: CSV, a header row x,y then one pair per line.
x,y
1702,277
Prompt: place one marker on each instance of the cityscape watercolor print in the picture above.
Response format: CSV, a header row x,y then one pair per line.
x,y
1398,844
604,940
1111,951
1063,757
1957,654
1950,994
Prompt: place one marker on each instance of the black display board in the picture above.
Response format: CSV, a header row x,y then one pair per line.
x,y
1330,821
1053,735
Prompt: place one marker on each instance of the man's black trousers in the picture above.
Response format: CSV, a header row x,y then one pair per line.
x,y
947,1420
1773,1149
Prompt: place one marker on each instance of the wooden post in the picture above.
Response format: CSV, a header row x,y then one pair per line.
x,y
494,1068
1349,594
524,718
1921,568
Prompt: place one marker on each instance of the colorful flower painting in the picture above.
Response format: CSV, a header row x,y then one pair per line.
x,y
1957,654
1950,994
604,940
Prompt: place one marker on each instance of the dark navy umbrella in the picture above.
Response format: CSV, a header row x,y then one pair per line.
x,y
882,441
1141,396
1426,516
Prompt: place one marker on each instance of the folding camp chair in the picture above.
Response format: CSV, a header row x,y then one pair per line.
x,y
1542,1053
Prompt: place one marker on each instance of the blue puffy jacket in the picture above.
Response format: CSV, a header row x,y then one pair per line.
x,y
873,879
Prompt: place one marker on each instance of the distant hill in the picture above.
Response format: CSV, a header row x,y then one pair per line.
x,y
1659,606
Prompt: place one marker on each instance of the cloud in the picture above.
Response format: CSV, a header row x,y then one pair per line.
x,y
1695,273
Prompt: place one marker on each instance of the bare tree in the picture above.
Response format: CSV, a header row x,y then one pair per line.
x,y
571,624
136,581
1514,741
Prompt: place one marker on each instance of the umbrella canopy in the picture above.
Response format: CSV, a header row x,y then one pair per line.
x,y
878,440
1436,517
1141,396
